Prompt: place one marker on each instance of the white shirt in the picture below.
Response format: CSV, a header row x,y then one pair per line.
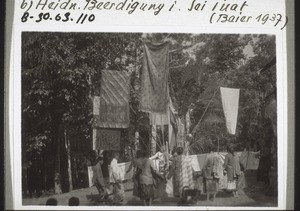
x,y
114,173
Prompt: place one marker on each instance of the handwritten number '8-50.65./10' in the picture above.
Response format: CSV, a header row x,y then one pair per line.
x,y
58,17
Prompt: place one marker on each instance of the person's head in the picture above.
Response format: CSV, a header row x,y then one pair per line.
x,y
210,148
179,150
100,160
116,155
51,202
73,201
143,153
230,149
247,146
138,154
93,157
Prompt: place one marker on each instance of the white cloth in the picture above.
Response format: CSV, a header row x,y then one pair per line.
x,y
122,169
230,102
159,155
194,162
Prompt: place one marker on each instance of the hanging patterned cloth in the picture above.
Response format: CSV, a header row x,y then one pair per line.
x,y
154,78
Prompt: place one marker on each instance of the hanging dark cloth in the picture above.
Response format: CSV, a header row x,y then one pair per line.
x,y
154,78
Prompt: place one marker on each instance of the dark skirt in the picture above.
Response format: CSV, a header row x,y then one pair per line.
x,y
136,187
146,191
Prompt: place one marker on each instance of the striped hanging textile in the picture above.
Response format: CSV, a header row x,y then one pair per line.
x,y
111,108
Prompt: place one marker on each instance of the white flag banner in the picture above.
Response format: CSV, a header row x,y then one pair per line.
x,y
230,102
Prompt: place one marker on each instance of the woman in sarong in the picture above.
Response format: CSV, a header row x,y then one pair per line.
x,y
230,168
175,171
146,180
210,180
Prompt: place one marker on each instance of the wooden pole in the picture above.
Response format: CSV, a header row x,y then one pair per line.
x,y
136,133
153,139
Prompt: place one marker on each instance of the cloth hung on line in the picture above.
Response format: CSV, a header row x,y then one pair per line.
x,y
122,168
182,174
198,161
187,173
154,78
248,160
111,108
219,172
230,102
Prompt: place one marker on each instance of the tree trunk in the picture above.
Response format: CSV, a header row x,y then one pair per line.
x,y
24,172
57,175
67,145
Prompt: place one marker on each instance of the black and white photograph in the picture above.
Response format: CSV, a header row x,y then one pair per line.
x,y
149,119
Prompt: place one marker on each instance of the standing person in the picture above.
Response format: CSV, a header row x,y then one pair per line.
x,y
115,180
244,161
175,171
264,165
239,180
146,180
210,181
230,169
181,171
98,179
136,175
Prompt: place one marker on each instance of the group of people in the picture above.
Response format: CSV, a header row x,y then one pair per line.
x,y
148,176
144,174
114,179
211,172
